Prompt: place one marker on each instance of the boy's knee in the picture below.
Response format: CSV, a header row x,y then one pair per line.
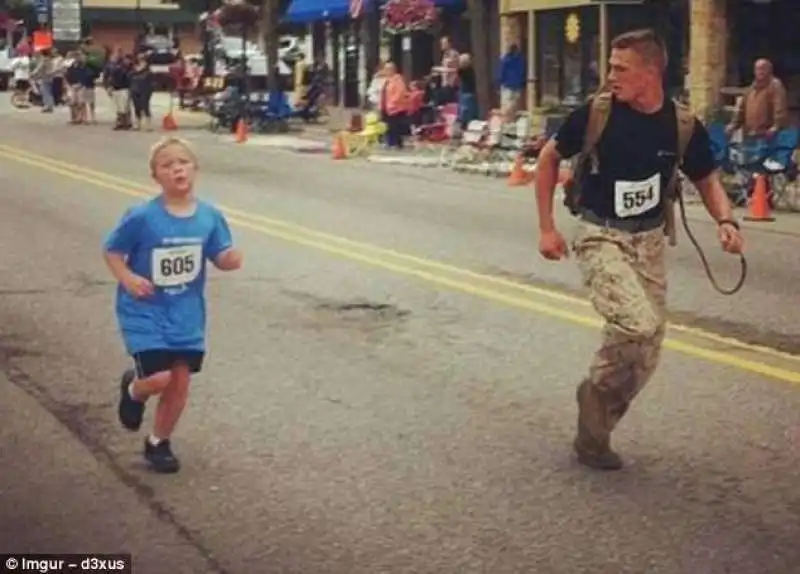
x,y
181,376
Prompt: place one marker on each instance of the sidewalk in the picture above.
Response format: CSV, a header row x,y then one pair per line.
x,y
339,118
56,497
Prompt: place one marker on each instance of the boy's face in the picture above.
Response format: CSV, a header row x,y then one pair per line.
x,y
175,170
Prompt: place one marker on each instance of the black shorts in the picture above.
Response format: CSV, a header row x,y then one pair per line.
x,y
148,363
22,85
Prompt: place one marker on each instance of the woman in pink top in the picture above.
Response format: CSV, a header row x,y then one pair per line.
x,y
394,106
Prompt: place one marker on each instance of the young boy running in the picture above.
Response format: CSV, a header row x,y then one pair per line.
x,y
158,252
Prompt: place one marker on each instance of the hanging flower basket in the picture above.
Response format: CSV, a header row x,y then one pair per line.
x,y
406,16
237,12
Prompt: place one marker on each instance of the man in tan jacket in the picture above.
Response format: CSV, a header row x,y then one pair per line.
x,y
763,110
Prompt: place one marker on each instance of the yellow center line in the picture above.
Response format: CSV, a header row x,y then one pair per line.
x,y
553,294
409,265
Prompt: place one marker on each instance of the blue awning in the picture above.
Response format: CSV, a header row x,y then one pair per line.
x,y
308,11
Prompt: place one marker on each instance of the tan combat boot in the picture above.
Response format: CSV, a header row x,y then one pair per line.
x,y
593,441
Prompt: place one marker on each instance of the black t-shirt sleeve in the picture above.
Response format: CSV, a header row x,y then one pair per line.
x,y
569,138
698,162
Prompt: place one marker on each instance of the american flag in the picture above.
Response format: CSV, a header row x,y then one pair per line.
x,y
356,7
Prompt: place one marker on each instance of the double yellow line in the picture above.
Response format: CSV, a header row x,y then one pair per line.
x,y
695,342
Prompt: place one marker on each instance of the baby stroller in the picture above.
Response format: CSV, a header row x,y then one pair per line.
x,y
225,108
28,96
310,107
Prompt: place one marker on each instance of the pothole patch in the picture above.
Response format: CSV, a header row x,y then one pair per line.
x,y
364,311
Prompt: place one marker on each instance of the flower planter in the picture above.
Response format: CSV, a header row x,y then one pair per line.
x,y
408,16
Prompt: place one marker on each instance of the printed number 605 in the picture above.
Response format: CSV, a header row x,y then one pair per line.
x,y
177,265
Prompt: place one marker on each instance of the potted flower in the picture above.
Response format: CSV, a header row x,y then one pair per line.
x,y
237,13
407,16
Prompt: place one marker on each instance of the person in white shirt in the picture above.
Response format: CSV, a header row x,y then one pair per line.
x,y
21,68
375,89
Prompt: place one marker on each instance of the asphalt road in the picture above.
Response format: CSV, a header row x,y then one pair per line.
x,y
390,383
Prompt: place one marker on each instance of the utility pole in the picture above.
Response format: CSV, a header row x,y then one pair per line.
x,y
270,13
480,53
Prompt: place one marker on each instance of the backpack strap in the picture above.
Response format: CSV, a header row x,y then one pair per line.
x,y
685,126
686,121
599,112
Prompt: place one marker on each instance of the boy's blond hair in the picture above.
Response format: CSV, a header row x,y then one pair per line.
x,y
166,142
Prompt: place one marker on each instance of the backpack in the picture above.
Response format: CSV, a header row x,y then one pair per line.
x,y
599,112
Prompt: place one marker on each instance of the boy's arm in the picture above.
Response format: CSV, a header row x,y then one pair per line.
x,y
118,265
228,260
221,251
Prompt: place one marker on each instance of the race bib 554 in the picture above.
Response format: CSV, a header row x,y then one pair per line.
x,y
633,198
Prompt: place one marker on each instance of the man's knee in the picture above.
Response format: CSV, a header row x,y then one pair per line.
x,y
645,325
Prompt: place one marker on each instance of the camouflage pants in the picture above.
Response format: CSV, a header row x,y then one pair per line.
x,y
626,276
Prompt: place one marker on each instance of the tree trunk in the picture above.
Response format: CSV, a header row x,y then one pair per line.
x,y
270,15
480,54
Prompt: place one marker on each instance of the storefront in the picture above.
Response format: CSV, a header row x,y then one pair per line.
x,y
728,36
567,42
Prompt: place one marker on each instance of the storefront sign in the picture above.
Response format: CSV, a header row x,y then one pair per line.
x,y
572,28
67,20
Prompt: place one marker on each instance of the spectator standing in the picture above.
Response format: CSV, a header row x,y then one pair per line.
x,y
512,77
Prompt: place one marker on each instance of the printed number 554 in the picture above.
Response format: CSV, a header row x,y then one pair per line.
x,y
177,265
637,198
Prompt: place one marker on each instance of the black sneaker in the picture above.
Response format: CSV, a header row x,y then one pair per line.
x,y
160,457
130,411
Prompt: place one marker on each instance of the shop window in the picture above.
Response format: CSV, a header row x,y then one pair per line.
x,y
549,27
568,43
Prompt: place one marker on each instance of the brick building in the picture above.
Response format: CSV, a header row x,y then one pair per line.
x,y
116,22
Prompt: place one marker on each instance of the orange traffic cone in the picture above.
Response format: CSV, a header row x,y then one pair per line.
x,y
168,122
338,150
241,131
759,204
518,176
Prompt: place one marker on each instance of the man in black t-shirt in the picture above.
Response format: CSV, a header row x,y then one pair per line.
x,y
621,241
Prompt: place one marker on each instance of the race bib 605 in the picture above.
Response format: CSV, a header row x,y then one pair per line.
x,y
633,198
176,266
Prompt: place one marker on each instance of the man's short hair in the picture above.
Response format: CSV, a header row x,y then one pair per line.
x,y
645,42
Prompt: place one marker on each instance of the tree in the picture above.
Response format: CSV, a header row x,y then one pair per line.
x,y
476,10
270,19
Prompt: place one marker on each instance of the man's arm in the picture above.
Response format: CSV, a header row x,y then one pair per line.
x,y
700,167
567,143
780,106
714,197
546,178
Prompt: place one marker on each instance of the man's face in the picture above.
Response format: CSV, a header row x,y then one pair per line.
x,y
445,44
628,74
762,71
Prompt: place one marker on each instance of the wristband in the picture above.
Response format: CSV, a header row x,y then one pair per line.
x,y
731,222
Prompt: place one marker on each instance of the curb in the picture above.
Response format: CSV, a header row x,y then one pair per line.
x,y
288,143
404,160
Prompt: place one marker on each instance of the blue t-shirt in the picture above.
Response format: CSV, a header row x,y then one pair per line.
x,y
171,252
